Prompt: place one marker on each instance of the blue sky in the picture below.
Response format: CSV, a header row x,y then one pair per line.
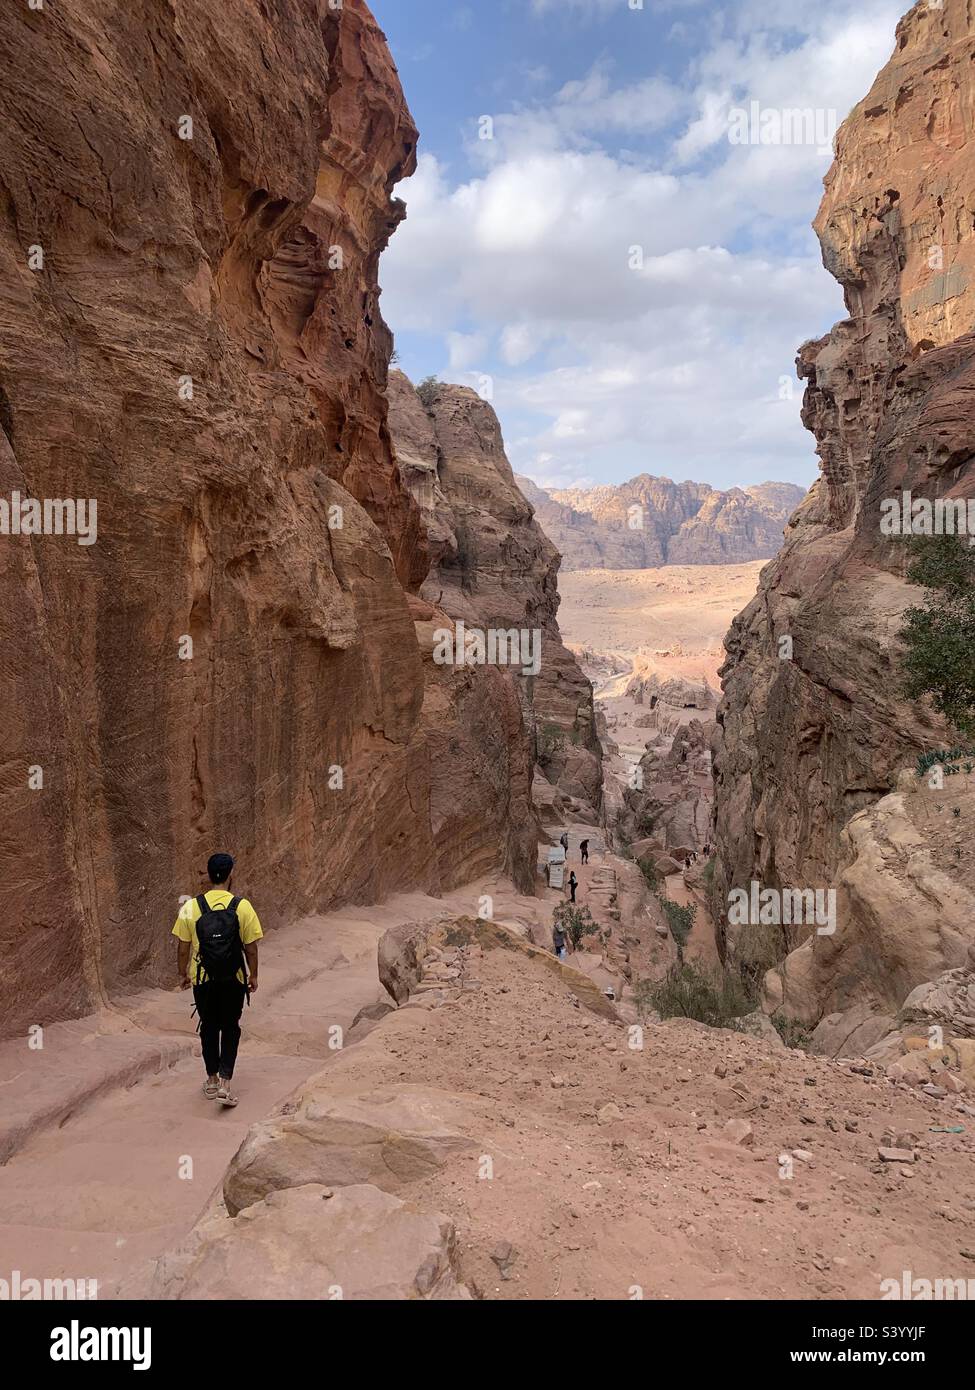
x,y
624,276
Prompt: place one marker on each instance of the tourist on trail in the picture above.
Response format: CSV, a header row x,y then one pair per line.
x,y
559,941
585,851
217,958
573,885
564,840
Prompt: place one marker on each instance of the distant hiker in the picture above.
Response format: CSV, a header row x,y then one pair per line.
x,y
573,885
564,840
559,940
585,851
218,936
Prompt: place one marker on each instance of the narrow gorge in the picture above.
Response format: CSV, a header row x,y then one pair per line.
x,y
327,627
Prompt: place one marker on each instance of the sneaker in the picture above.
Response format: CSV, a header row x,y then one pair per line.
x,y
225,1094
211,1088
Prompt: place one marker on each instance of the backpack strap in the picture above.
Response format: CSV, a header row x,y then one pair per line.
x,y
202,903
232,906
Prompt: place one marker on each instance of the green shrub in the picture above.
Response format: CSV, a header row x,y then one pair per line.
x,y
712,996
792,1032
939,638
680,920
576,922
951,760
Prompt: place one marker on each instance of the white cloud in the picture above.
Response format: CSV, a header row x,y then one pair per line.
x,y
676,366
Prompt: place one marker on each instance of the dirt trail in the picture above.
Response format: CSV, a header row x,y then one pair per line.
x,y
613,1168
116,1150
113,1148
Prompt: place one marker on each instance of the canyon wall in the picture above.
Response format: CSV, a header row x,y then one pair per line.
x,y
193,203
814,727
680,523
493,568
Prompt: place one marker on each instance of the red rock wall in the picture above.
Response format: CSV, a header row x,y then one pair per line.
x,y
211,258
493,566
808,742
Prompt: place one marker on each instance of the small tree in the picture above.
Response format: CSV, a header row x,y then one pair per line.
x,y
428,391
940,637
576,922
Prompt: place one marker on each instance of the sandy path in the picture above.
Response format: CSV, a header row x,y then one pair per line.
x,y
129,1168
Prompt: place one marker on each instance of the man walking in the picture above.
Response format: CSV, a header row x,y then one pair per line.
x,y
217,952
573,885
584,850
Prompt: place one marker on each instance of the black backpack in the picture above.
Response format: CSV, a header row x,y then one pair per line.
x,y
221,952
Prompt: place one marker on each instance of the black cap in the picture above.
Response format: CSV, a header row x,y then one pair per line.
x,y
219,867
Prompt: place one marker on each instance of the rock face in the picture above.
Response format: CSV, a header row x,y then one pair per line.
x,y
679,523
905,916
494,569
670,815
814,730
192,338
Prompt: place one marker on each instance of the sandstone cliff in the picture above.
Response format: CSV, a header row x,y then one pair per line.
x,y
814,729
679,523
190,335
494,569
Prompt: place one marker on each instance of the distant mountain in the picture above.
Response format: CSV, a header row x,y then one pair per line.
x,y
653,521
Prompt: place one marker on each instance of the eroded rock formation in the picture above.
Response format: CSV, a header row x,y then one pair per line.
x,y
681,523
814,727
494,570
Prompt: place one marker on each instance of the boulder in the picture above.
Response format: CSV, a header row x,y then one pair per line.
x,y
308,1243
386,1138
400,959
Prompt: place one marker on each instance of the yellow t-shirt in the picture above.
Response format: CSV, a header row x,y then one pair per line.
x,y
185,928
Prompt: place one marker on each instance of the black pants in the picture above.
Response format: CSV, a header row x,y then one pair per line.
x,y
220,1004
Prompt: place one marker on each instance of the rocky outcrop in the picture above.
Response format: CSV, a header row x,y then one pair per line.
x,y
905,916
671,701
194,203
495,571
387,1139
358,1243
814,730
668,816
652,521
